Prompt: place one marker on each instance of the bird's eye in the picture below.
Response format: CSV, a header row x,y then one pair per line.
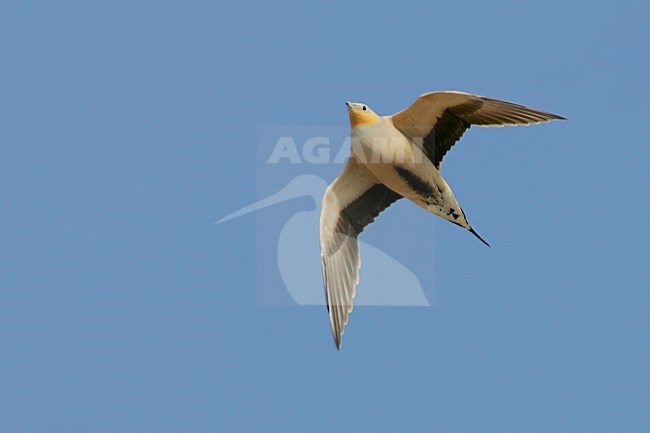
x,y
364,108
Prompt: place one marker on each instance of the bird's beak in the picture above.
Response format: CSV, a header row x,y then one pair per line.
x,y
349,104
291,191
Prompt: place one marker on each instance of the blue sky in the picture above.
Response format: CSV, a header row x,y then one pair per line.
x,y
128,128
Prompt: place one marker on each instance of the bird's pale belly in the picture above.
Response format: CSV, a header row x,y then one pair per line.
x,y
399,165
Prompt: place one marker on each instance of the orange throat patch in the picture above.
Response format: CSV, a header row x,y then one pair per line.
x,y
362,118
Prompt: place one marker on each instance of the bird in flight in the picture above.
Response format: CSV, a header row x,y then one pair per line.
x,y
394,157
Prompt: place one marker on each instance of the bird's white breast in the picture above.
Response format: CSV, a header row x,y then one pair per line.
x,y
381,143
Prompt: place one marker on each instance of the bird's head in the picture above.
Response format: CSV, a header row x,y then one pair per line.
x,y
361,114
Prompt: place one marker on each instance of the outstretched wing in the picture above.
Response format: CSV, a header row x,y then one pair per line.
x,y
350,203
439,119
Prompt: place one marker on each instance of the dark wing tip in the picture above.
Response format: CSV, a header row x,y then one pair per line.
x,y
337,340
552,116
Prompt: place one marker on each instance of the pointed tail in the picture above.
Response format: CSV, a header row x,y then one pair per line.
x,y
478,236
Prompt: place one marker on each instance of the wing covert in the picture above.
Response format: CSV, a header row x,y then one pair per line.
x,y
351,203
440,119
